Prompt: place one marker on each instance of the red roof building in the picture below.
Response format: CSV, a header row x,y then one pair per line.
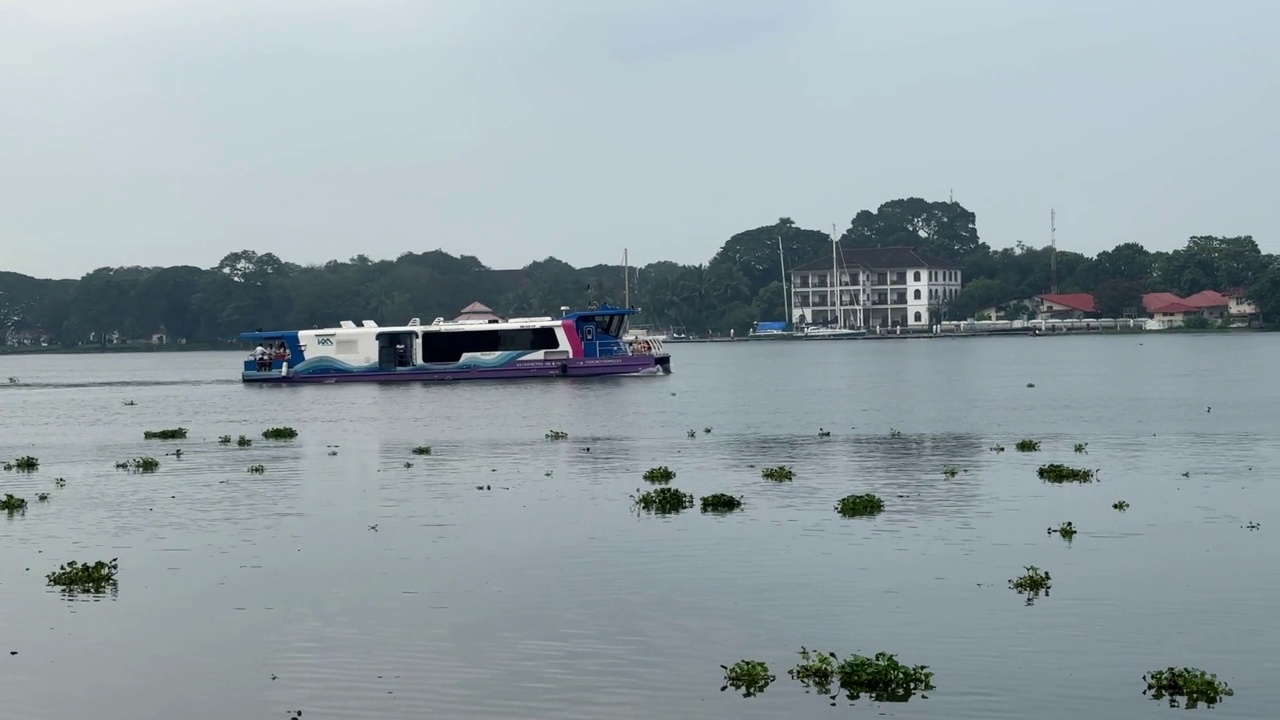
x,y
1151,301
1056,306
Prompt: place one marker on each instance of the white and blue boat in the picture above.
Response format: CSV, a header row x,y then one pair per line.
x,y
579,344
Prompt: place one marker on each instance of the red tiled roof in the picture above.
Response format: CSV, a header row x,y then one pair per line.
x,y
1208,299
1176,306
1151,301
1076,301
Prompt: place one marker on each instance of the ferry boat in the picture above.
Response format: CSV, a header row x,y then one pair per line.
x,y
578,344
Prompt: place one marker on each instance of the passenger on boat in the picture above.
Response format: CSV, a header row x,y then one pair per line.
x,y
262,358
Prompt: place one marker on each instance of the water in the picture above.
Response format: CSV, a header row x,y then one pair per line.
x,y
546,597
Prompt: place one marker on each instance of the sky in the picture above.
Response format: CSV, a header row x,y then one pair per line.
x,y
166,132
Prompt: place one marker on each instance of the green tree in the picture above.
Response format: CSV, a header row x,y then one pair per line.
x,y
1118,297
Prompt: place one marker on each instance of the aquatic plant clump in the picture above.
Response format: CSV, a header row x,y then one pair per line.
x,y
816,670
1058,474
95,578
557,435
243,441
749,677
139,465
1027,445
1081,448
225,440
882,678
950,473
664,500
859,505
42,497
13,504
422,450
257,469
279,433
659,475
1120,505
997,448
26,463
170,434
1066,531
1186,686
782,473
720,503
1032,583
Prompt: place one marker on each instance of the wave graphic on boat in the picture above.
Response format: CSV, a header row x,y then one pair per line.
x,y
333,366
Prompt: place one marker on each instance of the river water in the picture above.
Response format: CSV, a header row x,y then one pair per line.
x,y
546,596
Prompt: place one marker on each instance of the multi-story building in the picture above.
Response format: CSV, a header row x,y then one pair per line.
x,y
878,287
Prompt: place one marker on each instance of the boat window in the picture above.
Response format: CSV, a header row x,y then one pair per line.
x,y
346,347
444,347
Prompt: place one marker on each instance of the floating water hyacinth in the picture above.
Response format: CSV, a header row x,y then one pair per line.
x,y
422,450
26,463
749,677
882,678
557,435
279,433
1032,583
720,503
87,578
257,469
659,475
170,434
859,505
1066,531
1081,448
663,500
1186,686
243,441
12,504
781,473
1027,445
1120,505
139,465
1058,474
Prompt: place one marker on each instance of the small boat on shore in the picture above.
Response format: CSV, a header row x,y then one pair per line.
x,y
817,332
579,344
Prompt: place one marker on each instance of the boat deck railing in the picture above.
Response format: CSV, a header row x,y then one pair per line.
x,y
619,348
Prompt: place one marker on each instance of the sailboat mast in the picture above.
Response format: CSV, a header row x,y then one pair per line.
x,y
626,280
835,274
786,297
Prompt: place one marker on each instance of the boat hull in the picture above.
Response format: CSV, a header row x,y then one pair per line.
x,y
570,367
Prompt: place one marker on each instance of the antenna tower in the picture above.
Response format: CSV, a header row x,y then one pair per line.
x,y
1053,251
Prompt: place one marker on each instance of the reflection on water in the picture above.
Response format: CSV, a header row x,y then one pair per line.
x,y
348,585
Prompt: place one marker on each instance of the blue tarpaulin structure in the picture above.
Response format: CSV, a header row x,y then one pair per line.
x,y
772,326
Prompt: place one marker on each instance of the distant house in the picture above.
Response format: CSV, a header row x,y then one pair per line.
x,y
1240,308
1168,308
873,287
1212,304
477,312
1064,306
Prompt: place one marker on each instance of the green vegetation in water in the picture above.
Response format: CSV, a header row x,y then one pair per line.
x,y
257,469
659,475
42,497
26,463
997,448
129,403
950,473
1027,445
422,450
332,453
1120,505
1186,686
74,577
170,434
707,430
720,503
749,677
1034,582
279,433
243,441
59,482
859,505
1251,525
782,473
1058,474
823,432
895,433
225,440
692,433
1082,448
1066,531
407,464
13,504
816,670
139,465
663,500
882,678
557,435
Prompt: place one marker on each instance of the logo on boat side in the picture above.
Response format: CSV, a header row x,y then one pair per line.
x,y
324,341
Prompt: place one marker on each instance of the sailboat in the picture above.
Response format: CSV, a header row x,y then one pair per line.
x,y
827,332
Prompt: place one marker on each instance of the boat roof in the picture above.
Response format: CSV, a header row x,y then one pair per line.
x,y
260,335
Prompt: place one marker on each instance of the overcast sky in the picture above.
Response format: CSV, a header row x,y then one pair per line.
x,y
162,132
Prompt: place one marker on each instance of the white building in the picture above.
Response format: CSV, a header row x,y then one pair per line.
x,y
879,287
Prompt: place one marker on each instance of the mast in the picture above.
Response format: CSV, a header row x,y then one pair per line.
x,y
786,297
835,272
1053,250
626,280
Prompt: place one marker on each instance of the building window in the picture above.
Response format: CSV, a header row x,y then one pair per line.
x,y
917,291
917,316
917,278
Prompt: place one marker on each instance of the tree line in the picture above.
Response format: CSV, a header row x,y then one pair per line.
x,y
739,285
